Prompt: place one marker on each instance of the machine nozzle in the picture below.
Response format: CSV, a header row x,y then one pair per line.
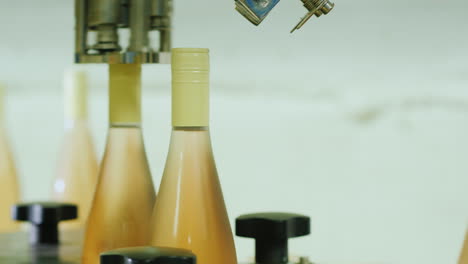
x,y
315,7
256,10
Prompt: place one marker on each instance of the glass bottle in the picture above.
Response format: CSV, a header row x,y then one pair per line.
x,y
77,168
9,188
121,212
464,255
190,212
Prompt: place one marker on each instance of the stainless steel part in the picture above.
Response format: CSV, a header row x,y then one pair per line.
x,y
105,18
139,26
161,13
315,7
256,10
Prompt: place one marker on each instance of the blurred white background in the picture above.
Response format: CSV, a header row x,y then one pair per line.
x,y
359,119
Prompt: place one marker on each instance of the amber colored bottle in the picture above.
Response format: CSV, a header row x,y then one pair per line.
x,y
9,189
121,211
464,254
77,168
190,212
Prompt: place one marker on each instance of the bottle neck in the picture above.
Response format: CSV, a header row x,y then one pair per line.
x,y
190,142
70,124
2,107
125,95
2,114
75,103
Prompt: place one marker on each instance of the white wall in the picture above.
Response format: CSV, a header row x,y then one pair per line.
x,y
360,119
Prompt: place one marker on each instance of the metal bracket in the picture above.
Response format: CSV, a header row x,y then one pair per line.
x,y
104,18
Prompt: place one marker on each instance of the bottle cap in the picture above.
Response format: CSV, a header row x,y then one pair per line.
x,y
148,255
75,94
190,87
124,94
190,59
271,232
44,218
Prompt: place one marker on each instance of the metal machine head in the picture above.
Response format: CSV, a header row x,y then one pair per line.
x,y
256,10
99,25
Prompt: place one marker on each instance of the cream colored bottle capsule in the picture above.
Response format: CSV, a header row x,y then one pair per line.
x,y
464,254
77,168
190,212
9,188
121,211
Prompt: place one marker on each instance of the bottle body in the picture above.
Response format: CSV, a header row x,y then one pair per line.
x,y
77,171
120,214
190,211
464,255
77,168
9,187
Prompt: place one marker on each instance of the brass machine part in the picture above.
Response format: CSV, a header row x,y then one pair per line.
x,y
106,17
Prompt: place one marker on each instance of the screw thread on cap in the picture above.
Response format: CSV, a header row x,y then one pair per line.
x,y
190,87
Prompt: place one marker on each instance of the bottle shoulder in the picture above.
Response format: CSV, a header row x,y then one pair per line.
x,y
6,155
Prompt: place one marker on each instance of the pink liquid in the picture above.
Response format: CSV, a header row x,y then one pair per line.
x,y
121,211
464,255
77,171
9,188
190,212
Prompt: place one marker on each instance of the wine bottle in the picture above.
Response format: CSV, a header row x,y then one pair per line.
x,y
190,212
121,211
464,255
77,168
9,188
